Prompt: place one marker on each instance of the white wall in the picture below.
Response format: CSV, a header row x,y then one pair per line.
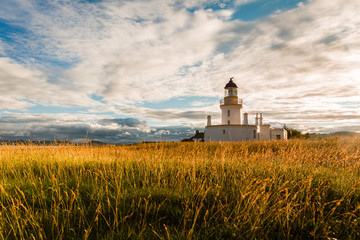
x,y
235,114
225,133
230,133
277,133
265,132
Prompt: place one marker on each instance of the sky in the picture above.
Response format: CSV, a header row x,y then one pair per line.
x,y
149,70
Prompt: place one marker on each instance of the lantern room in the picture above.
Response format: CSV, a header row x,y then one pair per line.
x,y
230,89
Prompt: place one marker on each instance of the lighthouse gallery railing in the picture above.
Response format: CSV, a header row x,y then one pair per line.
x,y
240,102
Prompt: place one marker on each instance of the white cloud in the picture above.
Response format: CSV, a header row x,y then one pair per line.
x,y
195,116
133,51
242,2
23,87
150,67
301,61
291,57
300,4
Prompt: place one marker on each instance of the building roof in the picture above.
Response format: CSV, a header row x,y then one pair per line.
x,y
198,135
230,84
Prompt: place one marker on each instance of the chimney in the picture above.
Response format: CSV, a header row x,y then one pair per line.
x,y
257,119
261,119
246,121
209,120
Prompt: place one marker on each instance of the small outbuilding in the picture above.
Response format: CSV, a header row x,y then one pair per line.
x,y
198,137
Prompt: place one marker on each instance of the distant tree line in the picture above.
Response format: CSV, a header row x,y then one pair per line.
x,y
293,133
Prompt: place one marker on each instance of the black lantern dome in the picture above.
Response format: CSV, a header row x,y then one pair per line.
x,y
230,89
230,84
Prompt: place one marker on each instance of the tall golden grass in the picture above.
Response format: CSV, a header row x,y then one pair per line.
x,y
298,189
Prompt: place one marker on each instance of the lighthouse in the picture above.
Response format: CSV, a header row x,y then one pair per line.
x,y
231,105
231,128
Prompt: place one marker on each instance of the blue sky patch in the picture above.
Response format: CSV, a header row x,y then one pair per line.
x,y
263,8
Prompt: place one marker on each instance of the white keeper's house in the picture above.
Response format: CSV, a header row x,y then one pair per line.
x,y
235,128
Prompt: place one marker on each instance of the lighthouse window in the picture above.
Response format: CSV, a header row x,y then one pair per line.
x,y
223,131
228,122
228,113
232,92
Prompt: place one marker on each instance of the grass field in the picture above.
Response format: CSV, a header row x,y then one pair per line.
x,y
296,189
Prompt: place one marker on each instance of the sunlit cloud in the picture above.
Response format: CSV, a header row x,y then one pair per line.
x,y
109,57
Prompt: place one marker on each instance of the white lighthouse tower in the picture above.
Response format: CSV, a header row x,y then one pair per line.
x,y
231,105
231,128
